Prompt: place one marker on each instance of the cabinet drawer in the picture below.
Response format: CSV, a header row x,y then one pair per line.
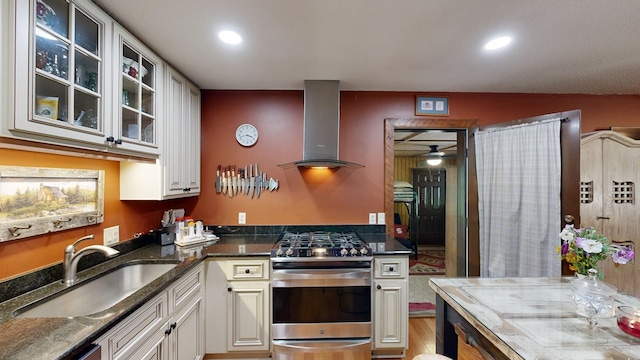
x,y
247,269
392,267
181,291
135,328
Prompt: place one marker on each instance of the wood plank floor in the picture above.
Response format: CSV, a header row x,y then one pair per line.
x,y
422,339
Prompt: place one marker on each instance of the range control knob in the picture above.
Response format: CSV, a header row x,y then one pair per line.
x,y
289,252
364,251
344,252
279,252
353,252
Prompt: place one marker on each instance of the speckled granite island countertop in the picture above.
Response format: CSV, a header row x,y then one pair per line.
x,y
527,318
64,338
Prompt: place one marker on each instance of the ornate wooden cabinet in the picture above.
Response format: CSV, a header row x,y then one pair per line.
x,y
609,175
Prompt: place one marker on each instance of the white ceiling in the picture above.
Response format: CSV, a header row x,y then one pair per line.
x,y
568,46
428,46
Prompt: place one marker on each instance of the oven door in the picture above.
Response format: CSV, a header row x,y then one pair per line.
x,y
358,349
317,303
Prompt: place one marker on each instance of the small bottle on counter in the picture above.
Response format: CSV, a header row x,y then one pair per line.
x,y
179,228
199,228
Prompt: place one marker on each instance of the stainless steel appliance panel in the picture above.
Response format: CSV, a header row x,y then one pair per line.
x,y
354,349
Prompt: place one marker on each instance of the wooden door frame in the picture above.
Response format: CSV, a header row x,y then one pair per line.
x,y
390,125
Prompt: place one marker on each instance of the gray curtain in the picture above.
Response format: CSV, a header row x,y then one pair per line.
x,y
519,181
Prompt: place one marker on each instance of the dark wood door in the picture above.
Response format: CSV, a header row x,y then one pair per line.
x,y
430,185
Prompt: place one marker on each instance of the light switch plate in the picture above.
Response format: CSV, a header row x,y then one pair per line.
x,y
372,218
111,235
242,249
242,218
380,218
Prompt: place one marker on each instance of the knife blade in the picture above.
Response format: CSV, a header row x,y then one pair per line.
x,y
252,181
258,185
229,182
234,180
224,183
218,180
240,180
245,187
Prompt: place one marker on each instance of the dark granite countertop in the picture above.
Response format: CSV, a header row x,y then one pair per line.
x,y
62,338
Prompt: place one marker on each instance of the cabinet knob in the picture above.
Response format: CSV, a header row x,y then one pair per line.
x,y
167,331
173,325
247,271
378,287
229,289
391,268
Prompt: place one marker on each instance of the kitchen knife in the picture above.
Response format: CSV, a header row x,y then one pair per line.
x,y
252,181
234,180
240,180
258,185
218,180
245,187
224,183
229,182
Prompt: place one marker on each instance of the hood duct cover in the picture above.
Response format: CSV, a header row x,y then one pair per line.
x,y
321,125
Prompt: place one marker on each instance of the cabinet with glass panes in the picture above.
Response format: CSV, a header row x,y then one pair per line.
x,y
63,79
138,83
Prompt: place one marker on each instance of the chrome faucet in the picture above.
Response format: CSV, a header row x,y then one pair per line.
x,y
71,257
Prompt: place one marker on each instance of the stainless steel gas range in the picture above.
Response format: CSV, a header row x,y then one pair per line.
x,y
321,296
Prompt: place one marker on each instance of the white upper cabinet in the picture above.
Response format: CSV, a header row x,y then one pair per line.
x,y
177,173
138,76
63,82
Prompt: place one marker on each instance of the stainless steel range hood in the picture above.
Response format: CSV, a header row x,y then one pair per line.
x,y
321,126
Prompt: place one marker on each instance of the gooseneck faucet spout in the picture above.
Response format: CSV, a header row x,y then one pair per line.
x,y
71,257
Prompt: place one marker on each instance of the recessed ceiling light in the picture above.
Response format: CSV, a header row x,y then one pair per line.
x,y
498,43
230,37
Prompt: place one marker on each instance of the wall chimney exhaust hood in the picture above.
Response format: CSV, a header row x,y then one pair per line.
x,y
321,126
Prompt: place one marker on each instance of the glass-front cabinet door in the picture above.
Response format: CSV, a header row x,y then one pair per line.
x,y
138,80
61,57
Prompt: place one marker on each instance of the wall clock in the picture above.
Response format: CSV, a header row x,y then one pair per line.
x,y
246,134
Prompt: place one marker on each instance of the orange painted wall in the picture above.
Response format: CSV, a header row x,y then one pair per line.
x,y
347,195
304,197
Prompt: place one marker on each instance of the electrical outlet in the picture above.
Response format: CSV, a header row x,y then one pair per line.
x,y
372,218
111,235
242,218
381,218
242,249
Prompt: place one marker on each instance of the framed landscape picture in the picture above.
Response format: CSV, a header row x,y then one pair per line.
x,y
36,201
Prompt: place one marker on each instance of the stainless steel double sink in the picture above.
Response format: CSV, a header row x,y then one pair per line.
x,y
98,294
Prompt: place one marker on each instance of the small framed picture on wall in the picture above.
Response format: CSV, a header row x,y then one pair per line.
x,y
427,105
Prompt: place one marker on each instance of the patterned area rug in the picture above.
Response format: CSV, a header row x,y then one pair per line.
x,y
430,262
422,298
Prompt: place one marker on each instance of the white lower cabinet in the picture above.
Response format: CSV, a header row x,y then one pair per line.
x,y
390,303
170,326
244,307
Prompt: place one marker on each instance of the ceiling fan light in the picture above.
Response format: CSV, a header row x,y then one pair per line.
x,y
434,161
434,157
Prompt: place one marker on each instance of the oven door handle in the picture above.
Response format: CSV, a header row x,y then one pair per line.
x,y
335,345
